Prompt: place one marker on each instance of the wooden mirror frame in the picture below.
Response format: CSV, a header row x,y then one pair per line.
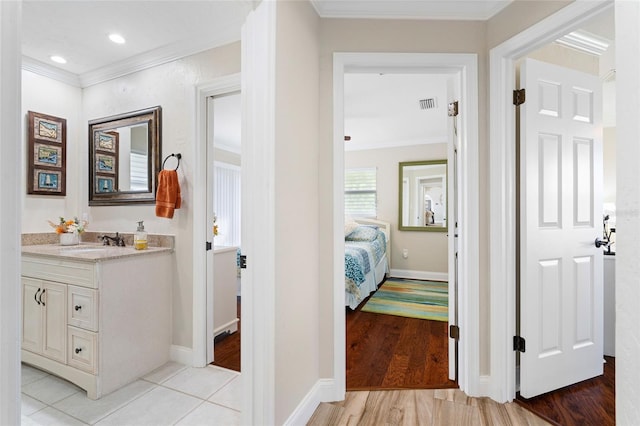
x,y
425,228
153,118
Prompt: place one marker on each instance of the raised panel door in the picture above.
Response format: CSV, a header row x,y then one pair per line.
x,y
31,315
54,329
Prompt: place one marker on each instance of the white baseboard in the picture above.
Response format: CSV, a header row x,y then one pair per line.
x,y
484,386
181,354
419,275
322,391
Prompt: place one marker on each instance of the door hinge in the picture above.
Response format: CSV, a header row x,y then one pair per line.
x,y
453,109
208,246
454,332
519,96
519,344
243,261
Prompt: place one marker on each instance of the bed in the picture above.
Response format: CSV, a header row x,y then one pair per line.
x,y
366,258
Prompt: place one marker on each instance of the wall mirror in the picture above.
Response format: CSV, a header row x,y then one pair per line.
x,y
423,196
124,158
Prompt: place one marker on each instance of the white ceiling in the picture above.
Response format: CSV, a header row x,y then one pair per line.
x,y
156,32
383,110
163,30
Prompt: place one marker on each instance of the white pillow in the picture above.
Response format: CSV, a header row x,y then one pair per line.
x,y
350,225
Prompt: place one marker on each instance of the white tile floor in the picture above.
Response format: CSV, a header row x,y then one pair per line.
x,y
172,395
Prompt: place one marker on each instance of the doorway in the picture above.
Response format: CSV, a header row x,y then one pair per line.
x,y
466,66
224,200
398,123
502,179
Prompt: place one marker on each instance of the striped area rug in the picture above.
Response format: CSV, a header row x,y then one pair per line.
x,y
411,298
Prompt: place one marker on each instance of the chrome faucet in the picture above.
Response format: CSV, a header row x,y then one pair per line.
x,y
117,240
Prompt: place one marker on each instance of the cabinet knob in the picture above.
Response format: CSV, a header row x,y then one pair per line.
x,y
78,350
77,307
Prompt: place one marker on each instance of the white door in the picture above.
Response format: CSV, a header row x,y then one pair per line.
x,y
561,310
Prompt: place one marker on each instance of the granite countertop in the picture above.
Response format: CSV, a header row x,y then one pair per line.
x,y
88,252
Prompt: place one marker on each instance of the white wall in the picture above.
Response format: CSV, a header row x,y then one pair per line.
x,y
47,96
297,312
628,214
427,250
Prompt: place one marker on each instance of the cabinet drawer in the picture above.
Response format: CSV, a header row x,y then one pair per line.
x,y
60,270
82,307
83,349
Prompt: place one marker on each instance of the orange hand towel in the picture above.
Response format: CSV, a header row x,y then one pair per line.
x,y
168,195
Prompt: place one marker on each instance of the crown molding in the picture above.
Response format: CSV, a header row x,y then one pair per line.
x,y
163,55
46,70
585,41
437,10
362,146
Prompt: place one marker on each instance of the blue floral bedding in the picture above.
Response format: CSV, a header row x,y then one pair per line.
x,y
360,257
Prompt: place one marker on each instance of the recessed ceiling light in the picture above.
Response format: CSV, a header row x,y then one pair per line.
x,y
58,59
117,38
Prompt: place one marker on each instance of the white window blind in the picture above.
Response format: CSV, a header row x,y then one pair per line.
x,y
138,165
226,204
360,196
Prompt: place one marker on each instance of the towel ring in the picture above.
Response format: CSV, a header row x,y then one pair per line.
x,y
178,156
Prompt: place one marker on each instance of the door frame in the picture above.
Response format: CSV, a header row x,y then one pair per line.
x,y
502,183
469,378
203,265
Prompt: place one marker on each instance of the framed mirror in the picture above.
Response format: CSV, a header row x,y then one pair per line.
x,y
423,196
124,158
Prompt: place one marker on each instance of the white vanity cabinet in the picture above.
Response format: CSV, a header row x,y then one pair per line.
x,y
99,323
225,302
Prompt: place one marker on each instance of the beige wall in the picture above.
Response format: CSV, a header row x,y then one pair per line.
x,y
349,35
226,157
297,313
563,56
427,250
518,16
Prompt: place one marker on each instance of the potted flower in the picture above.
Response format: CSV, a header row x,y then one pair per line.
x,y
69,230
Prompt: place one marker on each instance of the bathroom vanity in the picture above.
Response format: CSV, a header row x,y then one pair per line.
x,y
99,317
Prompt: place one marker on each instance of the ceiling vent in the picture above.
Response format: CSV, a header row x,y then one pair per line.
x,y
429,103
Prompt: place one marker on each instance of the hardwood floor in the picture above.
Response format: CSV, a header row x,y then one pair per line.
x,y
442,407
591,402
226,350
390,352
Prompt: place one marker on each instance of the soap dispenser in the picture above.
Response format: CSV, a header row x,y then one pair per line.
x,y
140,237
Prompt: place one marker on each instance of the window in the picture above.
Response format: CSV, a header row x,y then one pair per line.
x,y
226,203
139,178
360,196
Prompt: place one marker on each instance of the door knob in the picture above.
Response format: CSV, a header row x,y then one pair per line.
x,y
599,243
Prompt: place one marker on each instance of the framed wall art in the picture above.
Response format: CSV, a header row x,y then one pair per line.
x,y
106,164
106,184
47,139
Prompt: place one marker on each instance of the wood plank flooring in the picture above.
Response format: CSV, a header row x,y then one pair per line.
x,y
589,403
442,407
226,350
391,352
